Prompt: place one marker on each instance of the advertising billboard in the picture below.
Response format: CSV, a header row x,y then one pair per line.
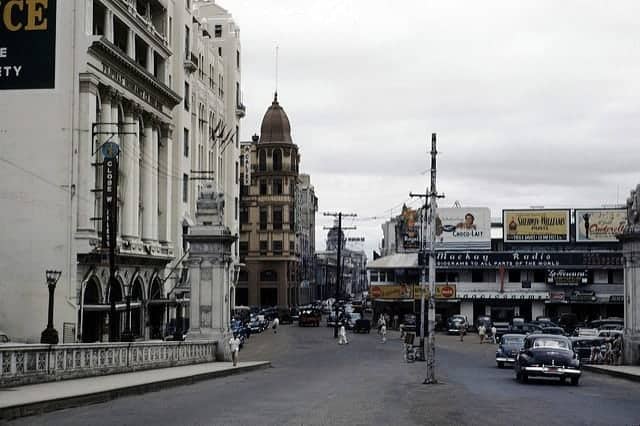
x,y
465,228
599,225
410,228
442,291
402,291
535,226
27,44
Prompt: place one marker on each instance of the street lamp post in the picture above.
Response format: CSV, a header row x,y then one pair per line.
x,y
50,335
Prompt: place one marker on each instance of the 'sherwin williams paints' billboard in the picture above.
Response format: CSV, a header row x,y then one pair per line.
x,y
27,44
535,226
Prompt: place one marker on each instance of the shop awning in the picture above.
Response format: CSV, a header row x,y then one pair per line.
x,y
395,261
106,307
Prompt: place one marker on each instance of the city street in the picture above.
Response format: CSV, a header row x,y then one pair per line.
x,y
316,382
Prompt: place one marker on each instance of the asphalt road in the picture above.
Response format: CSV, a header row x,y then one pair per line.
x,y
316,382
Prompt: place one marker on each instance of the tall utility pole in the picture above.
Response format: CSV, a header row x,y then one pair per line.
x,y
338,260
422,262
433,196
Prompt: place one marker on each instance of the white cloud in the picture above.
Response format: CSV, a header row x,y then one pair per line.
x,y
534,103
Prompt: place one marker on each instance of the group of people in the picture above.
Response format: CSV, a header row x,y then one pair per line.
x,y
234,342
609,352
488,335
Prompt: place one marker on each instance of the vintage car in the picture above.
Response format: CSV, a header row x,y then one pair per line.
x,y
309,317
582,346
362,326
559,331
510,346
501,328
455,323
547,355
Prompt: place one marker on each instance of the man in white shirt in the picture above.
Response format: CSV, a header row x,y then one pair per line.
x,y
234,344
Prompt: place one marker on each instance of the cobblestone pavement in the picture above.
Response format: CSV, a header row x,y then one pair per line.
x,y
316,382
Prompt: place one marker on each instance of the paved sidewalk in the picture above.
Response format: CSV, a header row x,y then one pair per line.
x,y
39,398
630,372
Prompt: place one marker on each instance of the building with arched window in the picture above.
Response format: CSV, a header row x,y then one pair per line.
x,y
269,243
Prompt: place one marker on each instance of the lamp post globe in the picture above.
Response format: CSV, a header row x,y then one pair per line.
x,y
50,335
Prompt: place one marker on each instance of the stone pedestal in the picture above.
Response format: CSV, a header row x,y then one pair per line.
x,y
209,260
630,239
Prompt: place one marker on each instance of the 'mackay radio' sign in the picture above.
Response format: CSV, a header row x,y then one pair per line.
x,y
27,44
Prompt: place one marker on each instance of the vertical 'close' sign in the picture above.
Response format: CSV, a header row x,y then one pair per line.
x,y
27,44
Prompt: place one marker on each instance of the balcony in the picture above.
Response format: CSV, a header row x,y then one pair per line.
x,y
190,62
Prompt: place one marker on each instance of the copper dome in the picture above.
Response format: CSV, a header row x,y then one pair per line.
x,y
275,124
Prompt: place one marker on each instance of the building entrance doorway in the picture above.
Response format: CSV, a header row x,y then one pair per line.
x,y
156,311
92,320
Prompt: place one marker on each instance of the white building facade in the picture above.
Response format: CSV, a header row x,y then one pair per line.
x,y
119,73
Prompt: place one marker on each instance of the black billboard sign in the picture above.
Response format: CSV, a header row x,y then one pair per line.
x,y
27,44
564,277
110,202
528,259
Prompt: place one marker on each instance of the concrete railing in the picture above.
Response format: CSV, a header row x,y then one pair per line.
x,y
26,364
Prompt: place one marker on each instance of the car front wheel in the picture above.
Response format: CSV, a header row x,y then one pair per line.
x,y
500,364
575,381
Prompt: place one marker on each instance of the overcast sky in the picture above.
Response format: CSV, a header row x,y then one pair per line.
x,y
534,103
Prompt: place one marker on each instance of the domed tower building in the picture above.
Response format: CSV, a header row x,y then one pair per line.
x,y
267,214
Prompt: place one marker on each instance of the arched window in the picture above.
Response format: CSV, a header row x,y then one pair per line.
x,y
277,159
268,275
262,161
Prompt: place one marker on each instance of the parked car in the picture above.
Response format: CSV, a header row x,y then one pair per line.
x,y
610,333
583,332
310,317
607,322
558,331
284,315
526,328
362,326
568,322
501,328
455,323
510,346
546,355
351,320
582,345
483,320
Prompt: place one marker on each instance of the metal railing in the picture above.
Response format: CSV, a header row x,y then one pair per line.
x,y
26,364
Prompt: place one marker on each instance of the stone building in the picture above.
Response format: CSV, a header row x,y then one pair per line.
x,y
119,74
306,209
268,214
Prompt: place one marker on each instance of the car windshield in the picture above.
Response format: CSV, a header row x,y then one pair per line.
x,y
550,343
512,340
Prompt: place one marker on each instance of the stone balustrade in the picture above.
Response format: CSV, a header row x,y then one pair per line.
x,y
27,364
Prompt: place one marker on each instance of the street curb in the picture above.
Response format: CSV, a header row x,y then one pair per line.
x,y
619,374
41,407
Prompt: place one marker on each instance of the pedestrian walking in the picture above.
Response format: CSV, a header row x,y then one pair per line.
x,y
276,323
461,331
494,330
234,345
342,336
381,322
482,330
383,333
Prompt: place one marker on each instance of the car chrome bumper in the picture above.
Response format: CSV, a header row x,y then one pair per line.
x,y
505,359
551,371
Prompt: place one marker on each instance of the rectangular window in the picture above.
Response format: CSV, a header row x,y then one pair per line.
x,y
244,248
514,275
264,248
238,59
244,215
277,187
263,218
244,189
217,32
186,96
236,209
277,218
186,142
292,218
237,173
186,43
292,247
539,276
263,187
185,188
477,276
277,247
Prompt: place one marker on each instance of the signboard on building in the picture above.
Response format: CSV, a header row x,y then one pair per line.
x,y
465,228
599,225
527,259
410,228
556,296
567,277
109,198
397,291
27,44
247,165
535,226
443,291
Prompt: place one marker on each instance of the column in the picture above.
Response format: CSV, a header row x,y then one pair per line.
x,y
166,187
147,183
136,173
150,60
85,181
131,44
128,164
155,173
108,25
